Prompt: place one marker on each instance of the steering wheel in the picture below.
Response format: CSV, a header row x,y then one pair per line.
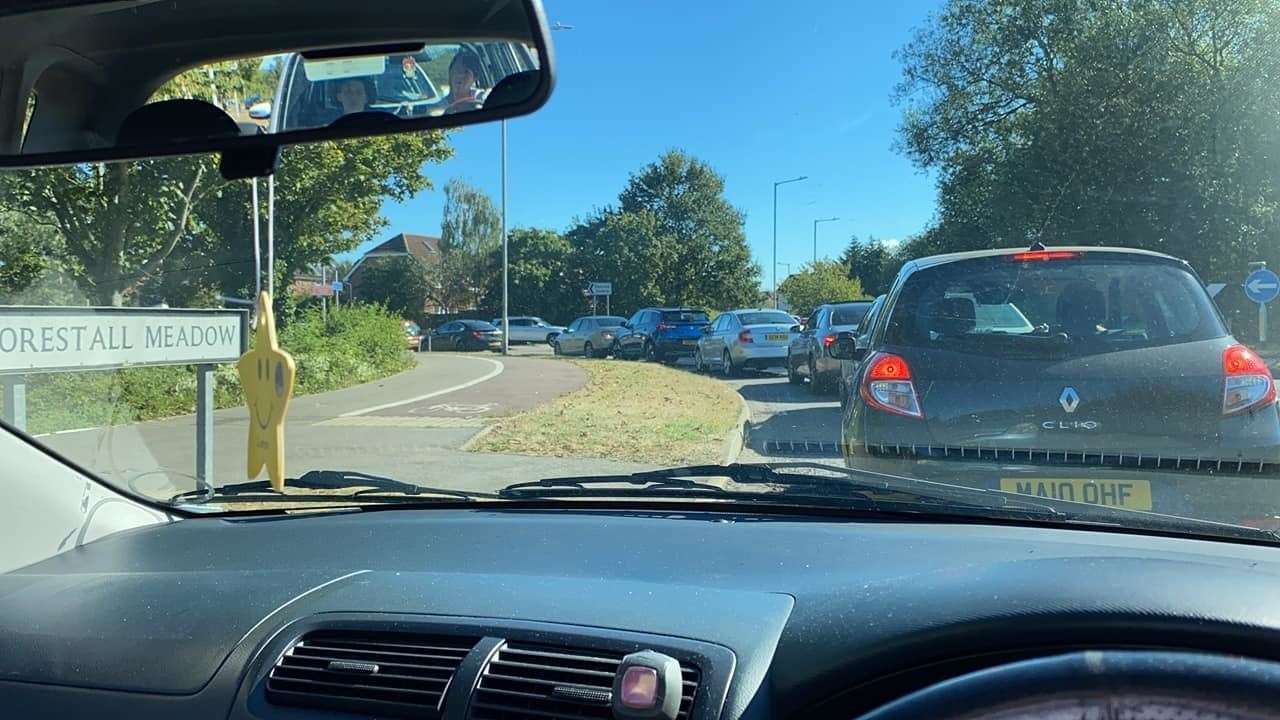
x,y
466,104
1110,685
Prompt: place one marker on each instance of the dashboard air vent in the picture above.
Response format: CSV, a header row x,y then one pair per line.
x,y
369,672
534,682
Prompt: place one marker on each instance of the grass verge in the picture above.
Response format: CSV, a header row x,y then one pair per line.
x,y
640,412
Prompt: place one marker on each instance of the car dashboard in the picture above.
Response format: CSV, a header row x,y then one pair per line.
x,y
494,614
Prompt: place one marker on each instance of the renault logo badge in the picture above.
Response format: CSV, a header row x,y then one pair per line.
x,y
1069,399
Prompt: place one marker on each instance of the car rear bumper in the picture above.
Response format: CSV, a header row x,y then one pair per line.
x,y
759,356
676,346
1232,492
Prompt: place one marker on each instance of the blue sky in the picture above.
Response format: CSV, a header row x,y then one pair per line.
x,y
762,91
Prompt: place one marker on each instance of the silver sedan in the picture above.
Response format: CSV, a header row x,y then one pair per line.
x,y
745,340
590,336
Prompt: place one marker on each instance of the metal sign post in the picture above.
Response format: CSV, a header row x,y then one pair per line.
x,y
1261,286
599,290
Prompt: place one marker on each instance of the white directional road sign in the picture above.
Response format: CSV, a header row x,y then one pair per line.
x,y
1262,286
600,288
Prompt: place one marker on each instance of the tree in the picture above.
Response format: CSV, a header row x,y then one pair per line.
x,y
673,239
399,283
1125,122
706,261
545,278
470,232
872,263
817,283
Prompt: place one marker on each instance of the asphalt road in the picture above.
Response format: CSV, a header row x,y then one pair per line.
x,y
411,426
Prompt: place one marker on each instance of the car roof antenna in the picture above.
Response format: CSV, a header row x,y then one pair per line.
x,y
1037,246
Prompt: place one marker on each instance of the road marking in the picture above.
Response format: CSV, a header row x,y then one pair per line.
x,y
495,372
387,421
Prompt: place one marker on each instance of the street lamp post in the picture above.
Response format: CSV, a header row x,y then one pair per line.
x,y
815,235
775,232
775,290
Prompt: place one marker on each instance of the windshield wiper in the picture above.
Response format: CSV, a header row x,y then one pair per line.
x,y
791,480
362,484
856,489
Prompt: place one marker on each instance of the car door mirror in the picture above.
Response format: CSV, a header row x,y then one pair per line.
x,y
706,330
626,325
797,328
844,348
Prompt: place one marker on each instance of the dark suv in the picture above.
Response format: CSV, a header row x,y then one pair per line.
x,y
661,334
1101,375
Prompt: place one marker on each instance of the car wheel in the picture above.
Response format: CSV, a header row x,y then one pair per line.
x,y
588,351
726,365
551,338
457,344
817,384
698,365
555,348
651,353
793,377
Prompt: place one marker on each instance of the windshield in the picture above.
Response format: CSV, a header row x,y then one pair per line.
x,y
1068,211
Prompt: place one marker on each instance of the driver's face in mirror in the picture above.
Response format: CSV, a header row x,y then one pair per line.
x,y
353,96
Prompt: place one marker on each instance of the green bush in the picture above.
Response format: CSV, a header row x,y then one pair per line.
x,y
355,345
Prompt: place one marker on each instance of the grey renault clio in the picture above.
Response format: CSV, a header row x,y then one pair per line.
x,y
1103,375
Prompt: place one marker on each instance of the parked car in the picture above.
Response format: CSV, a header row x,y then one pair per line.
x,y
462,335
745,340
849,366
412,335
591,336
1015,369
529,329
809,357
661,334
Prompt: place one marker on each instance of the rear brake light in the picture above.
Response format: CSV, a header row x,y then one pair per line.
x,y
745,337
1248,384
477,334
888,386
1044,255
829,340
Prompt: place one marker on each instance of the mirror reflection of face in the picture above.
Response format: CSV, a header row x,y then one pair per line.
x,y
461,81
352,96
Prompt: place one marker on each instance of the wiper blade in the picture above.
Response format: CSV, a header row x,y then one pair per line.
x,y
386,489
833,482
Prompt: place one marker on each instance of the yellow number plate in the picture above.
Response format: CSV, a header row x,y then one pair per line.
x,y
1129,494
776,337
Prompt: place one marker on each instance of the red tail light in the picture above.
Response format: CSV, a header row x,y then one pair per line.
x,y
887,386
1044,255
477,334
828,340
745,337
1247,384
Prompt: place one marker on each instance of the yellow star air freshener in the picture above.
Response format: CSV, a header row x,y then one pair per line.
x,y
266,376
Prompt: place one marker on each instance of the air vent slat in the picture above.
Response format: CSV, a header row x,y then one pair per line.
x,y
529,682
386,674
381,679
427,671
309,651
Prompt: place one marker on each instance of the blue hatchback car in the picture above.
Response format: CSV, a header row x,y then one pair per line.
x,y
661,334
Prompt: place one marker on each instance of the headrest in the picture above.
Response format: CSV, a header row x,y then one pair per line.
x,y
1081,308
954,316
179,119
513,89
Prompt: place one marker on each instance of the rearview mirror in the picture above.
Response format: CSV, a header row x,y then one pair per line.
x,y
311,70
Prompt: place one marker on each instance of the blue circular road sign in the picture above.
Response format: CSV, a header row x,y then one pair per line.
x,y
1262,286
